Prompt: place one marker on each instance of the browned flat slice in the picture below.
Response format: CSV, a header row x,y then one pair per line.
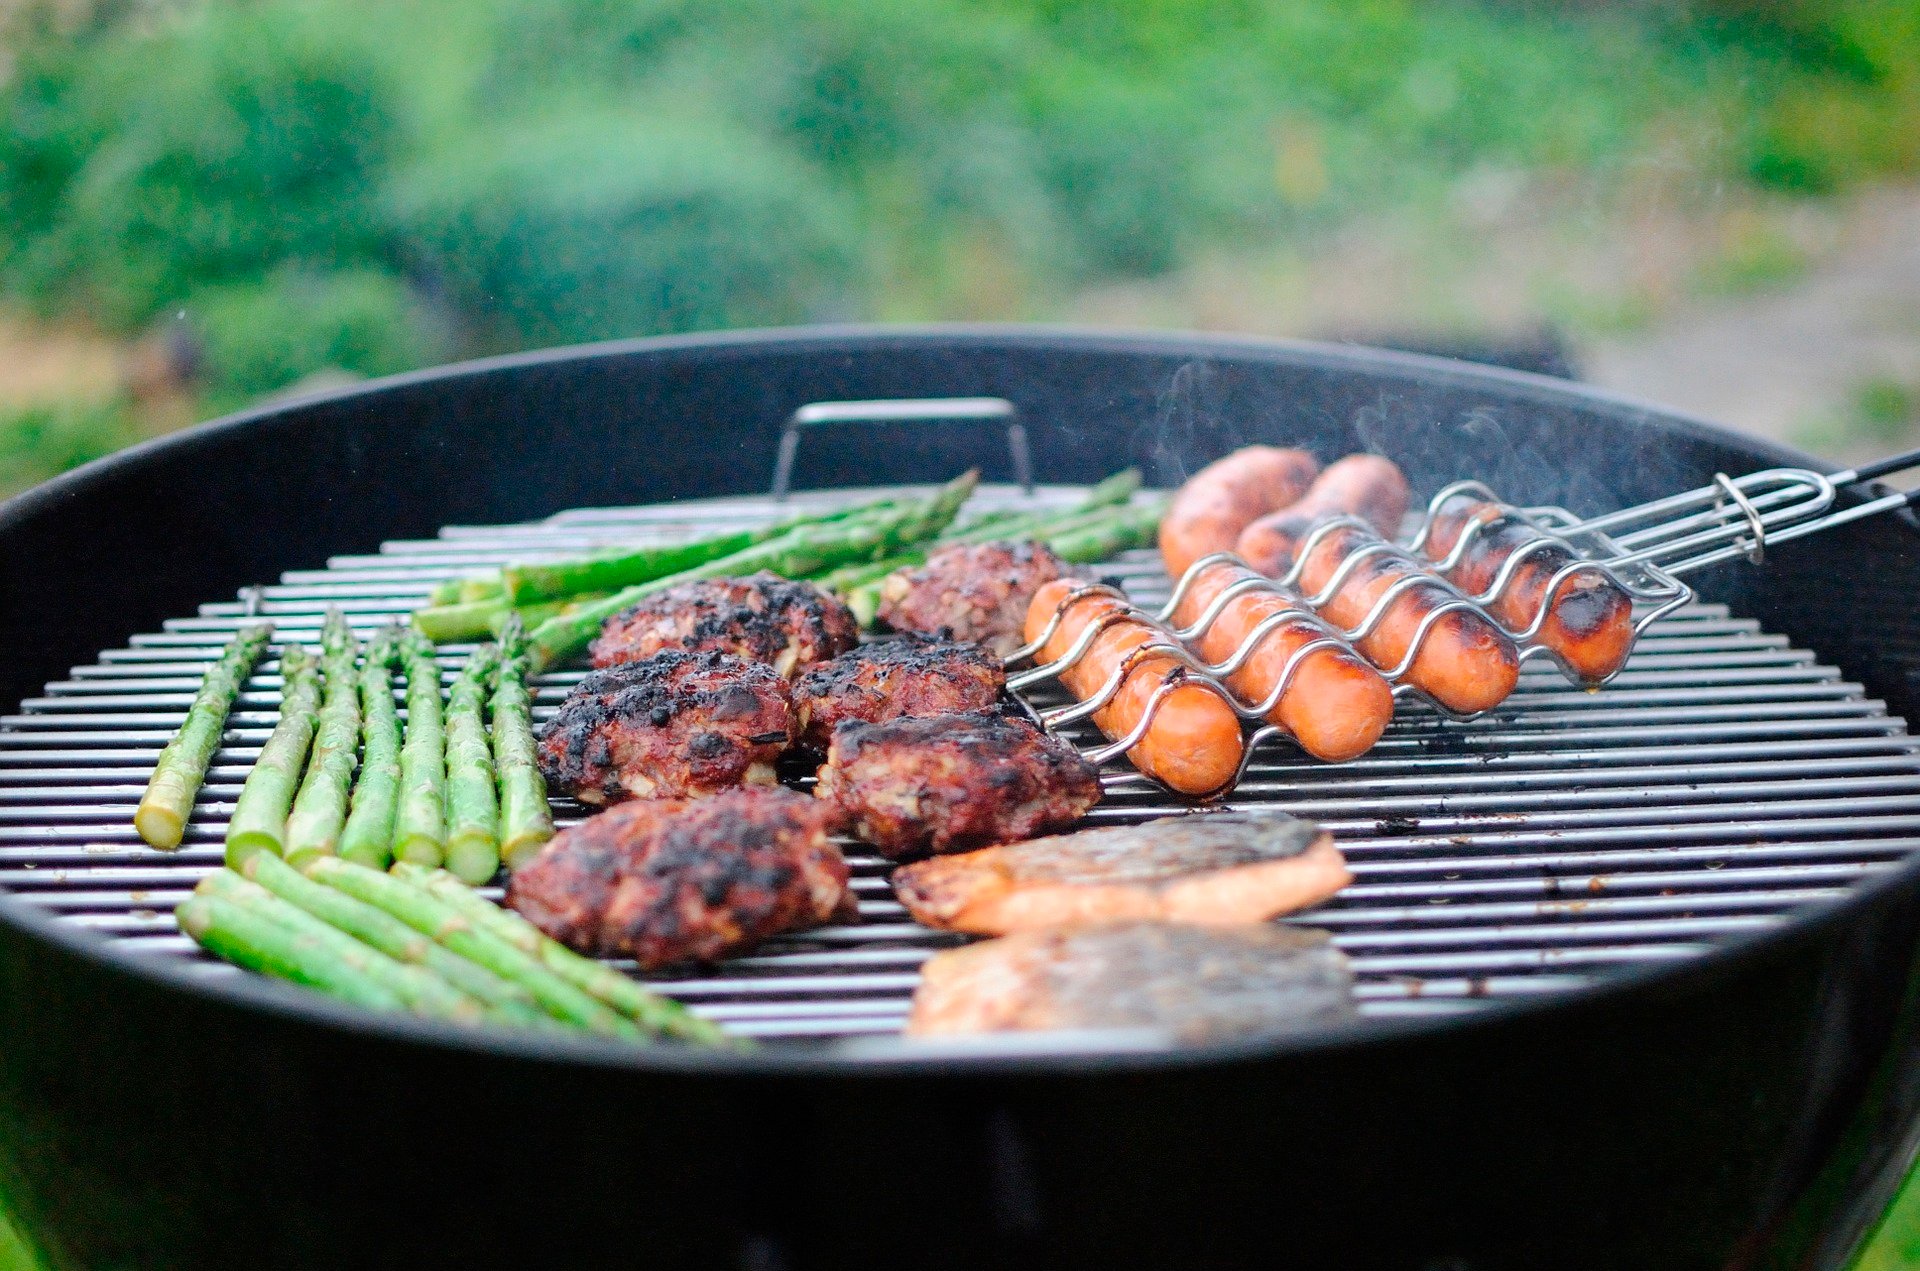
x,y
1196,983
1216,868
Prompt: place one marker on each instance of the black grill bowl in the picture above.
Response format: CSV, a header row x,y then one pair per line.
x,y
1747,1108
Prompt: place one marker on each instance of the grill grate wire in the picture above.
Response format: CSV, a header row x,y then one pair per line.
x,y
1721,781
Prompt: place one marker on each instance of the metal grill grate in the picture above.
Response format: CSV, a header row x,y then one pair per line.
x,y
1724,779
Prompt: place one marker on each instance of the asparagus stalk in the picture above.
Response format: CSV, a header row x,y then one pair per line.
x,y
161,818
1080,537
809,549
844,579
462,620
416,988
368,835
320,809
650,1010
863,601
1116,489
986,521
420,820
480,587
525,584
472,608
1099,539
476,620
505,1002
259,821
526,822
241,936
532,616
426,913
473,807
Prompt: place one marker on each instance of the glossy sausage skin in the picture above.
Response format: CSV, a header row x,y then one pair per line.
x,y
1336,706
1591,622
1223,498
1367,486
1465,663
1194,744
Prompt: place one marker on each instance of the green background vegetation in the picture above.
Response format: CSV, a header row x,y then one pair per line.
x,y
280,187
274,188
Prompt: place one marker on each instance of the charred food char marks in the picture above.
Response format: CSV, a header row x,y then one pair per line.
x,y
1216,869
947,783
726,874
675,725
787,625
564,890
1198,984
971,591
911,675
666,883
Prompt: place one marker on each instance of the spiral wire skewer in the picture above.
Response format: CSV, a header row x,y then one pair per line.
x,y
1640,550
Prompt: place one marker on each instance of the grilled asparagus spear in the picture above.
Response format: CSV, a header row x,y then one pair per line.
x,y
415,988
1098,539
259,821
1081,537
858,584
473,806
525,584
242,936
420,821
162,816
470,609
650,1010
809,549
368,835
320,809
505,1002
426,913
526,822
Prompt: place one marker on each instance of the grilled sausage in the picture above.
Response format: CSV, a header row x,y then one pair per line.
x,y
1465,662
1193,744
1226,496
1367,486
1336,706
1590,624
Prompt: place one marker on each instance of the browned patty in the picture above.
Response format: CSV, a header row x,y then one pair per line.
x,y
675,725
564,890
946,783
1198,984
762,618
666,882
911,675
971,591
1219,868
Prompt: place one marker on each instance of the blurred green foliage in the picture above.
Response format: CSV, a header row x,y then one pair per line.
x,y
38,442
311,185
261,335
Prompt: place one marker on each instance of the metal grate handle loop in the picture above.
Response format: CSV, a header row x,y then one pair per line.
x,y
906,410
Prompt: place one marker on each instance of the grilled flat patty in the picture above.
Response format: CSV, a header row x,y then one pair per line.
x,y
1198,984
1217,868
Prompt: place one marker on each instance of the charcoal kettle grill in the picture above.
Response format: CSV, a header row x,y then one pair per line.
x,y
1637,968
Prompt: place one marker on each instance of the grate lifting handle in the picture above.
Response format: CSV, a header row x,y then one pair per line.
x,y
904,410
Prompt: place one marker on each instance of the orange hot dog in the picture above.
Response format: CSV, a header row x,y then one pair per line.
x,y
1226,496
1367,486
1193,745
1591,622
1465,663
1336,706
